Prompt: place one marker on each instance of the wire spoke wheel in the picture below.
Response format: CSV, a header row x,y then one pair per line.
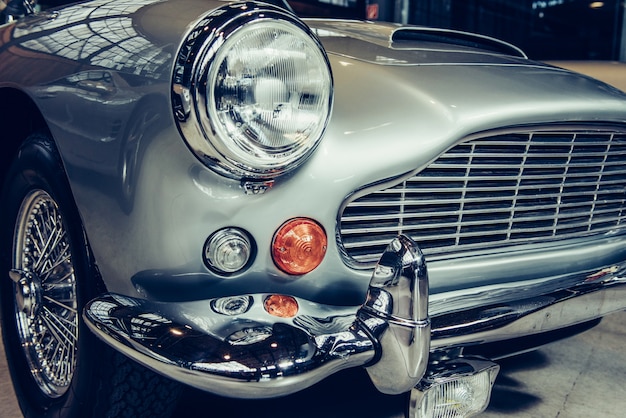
x,y
59,369
46,302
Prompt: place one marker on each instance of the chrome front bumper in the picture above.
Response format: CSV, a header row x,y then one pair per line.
x,y
256,355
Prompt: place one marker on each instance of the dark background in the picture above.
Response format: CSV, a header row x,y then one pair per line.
x,y
544,29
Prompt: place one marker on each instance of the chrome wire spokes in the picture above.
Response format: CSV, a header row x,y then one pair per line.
x,y
46,305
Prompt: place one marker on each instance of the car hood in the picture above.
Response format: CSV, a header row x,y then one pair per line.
x,y
611,72
401,101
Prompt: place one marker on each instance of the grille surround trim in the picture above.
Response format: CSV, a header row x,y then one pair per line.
x,y
585,160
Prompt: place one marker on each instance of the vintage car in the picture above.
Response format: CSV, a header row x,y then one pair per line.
x,y
229,197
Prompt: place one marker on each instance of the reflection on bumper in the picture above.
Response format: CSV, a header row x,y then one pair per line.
x,y
536,309
256,355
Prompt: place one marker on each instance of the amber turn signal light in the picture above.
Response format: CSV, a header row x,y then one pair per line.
x,y
299,246
281,306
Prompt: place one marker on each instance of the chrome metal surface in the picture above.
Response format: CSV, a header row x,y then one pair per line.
x,y
260,358
494,314
514,187
405,344
256,355
192,105
46,307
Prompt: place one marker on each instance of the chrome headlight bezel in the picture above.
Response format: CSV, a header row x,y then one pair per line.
x,y
244,152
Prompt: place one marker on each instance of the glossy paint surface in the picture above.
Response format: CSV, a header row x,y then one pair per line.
x,y
148,204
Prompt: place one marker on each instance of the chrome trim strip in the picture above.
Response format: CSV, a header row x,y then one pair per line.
x,y
529,316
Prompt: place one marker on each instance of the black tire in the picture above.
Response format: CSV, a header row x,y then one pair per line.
x,y
58,367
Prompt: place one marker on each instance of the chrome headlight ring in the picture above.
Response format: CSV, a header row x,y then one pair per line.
x,y
252,91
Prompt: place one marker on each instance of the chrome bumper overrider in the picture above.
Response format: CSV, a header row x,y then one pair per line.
x,y
255,355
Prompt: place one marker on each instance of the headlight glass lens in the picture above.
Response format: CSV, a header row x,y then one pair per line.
x,y
268,95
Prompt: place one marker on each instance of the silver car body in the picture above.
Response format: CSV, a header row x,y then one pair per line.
x,y
148,205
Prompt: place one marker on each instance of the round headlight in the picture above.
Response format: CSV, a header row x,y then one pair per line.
x,y
253,95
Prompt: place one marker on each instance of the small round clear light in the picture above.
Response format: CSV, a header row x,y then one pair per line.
x,y
232,305
228,251
249,336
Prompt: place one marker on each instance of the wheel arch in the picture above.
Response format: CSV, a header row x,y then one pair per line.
x,y
19,118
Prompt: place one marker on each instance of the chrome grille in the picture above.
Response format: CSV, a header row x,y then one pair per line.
x,y
496,191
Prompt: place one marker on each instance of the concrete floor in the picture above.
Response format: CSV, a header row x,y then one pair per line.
x,y
584,376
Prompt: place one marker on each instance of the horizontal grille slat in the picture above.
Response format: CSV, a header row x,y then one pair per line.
x,y
450,200
498,191
546,155
357,219
497,187
445,179
478,223
580,226
383,243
